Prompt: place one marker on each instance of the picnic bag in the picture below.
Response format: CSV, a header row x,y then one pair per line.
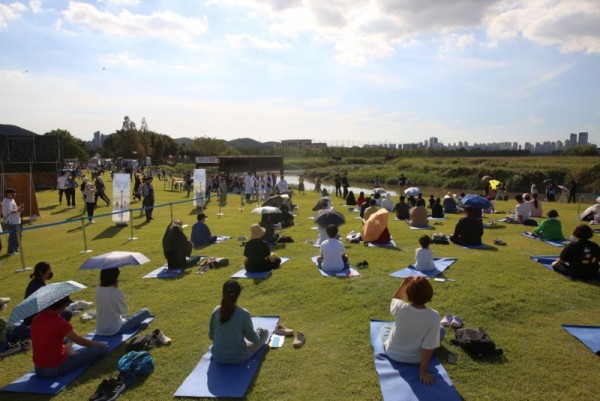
x,y
476,342
285,239
439,238
134,364
142,342
214,263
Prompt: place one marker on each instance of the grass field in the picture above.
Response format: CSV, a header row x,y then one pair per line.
x,y
520,303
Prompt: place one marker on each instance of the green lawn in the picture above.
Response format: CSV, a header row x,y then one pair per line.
x,y
520,303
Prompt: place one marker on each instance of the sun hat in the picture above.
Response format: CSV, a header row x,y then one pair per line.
x,y
256,231
449,194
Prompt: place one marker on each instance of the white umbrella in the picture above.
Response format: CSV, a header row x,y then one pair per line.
x,y
412,191
266,210
379,191
43,298
114,259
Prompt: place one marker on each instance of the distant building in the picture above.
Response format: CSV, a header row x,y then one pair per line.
x,y
98,140
573,140
583,138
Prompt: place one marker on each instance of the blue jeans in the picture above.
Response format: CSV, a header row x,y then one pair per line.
x,y
13,242
82,357
132,322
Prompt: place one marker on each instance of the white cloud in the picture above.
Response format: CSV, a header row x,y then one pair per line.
x,y
35,6
124,3
248,41
456,42
124,58
166,25
10,12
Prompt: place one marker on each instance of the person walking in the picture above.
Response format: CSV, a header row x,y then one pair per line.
x,y
89,195
148,195
100,190
12,219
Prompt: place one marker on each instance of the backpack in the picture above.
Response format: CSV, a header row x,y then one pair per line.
x,y
133,364
476,342
439,238
141,343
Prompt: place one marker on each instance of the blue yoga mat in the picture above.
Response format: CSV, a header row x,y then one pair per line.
x,y
558,244
32,384
400,381
163,272
210,379
547,261
390,244
588,335
348,272
480,246
245,274
441,264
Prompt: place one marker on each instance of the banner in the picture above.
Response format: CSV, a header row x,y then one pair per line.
x,y
199,187
121,197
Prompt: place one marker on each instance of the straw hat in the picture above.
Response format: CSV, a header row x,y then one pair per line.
x,y
449,195
256,231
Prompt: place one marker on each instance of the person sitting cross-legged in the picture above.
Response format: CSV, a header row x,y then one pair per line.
x,y
257,252
201,235
469,229
581,258
549,229
177,248
333,254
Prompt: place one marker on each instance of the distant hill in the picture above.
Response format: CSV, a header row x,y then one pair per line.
x,y
13,130
182,141
249,143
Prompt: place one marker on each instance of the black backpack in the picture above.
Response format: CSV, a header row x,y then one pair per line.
x,y
142,342
476,342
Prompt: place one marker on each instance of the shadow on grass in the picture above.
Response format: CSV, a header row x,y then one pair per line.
x,y
48,207
59,211
109,232
494,227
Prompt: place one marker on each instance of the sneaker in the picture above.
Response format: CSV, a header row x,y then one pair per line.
x,y
456,322
113,389
161,338
25,345
4,301
100,391
299,340
283,331
92,221
81,305
87,316
446,320
11,349
362,265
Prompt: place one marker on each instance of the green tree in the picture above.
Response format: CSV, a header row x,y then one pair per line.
x,y
72,148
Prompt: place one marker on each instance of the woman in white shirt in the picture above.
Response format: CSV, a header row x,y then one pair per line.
x,y
111,306
416,331
424,255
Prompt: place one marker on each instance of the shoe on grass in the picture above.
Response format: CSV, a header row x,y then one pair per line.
x,y
81,305
161,338
446,320
283,331
11,349
100,392
4,300
87,316
299,340
25,345
113,389
456,322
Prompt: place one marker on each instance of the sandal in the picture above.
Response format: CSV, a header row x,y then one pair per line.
x,y
362,265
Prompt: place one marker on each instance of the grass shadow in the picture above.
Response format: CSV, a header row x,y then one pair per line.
x,y
59,211
109,232
48,207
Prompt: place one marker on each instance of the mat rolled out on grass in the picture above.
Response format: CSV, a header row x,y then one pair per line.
x,y
401,381
164,272
210,379
347,272
588,335
558,244
421,228
245,274
390,244
441,264
32,384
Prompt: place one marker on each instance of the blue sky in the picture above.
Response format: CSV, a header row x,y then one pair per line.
x,y
340,71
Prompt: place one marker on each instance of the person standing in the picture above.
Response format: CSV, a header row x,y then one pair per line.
x,y
338,185
89,195
12,219
345,185
70,186
401,181
60,185
572,191
148,195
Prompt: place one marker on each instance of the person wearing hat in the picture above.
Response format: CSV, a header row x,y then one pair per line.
x,y
53,357
201,235
177,248
148,195
231,329
449,204
550,229
12,219
580,259
257,252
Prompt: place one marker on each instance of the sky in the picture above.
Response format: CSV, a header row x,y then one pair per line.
x,y
344,72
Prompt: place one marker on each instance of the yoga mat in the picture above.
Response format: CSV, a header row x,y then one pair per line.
x,y
221,238
559,244
32,384
547,261
245,274
481,246
436,218
210,379
390,244
441,264
421,228
163,272
400,381
588,335
347,272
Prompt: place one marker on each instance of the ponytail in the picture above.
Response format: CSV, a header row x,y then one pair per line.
x,y
227,307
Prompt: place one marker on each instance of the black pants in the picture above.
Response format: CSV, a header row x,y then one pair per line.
x,y
60,194
70,194
102,195
572,195
148,208
90,210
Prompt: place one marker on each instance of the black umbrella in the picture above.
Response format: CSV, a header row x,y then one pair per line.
x,y
276,201
330,217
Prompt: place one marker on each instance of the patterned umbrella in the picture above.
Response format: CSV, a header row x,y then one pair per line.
x,y
114,259
43,298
